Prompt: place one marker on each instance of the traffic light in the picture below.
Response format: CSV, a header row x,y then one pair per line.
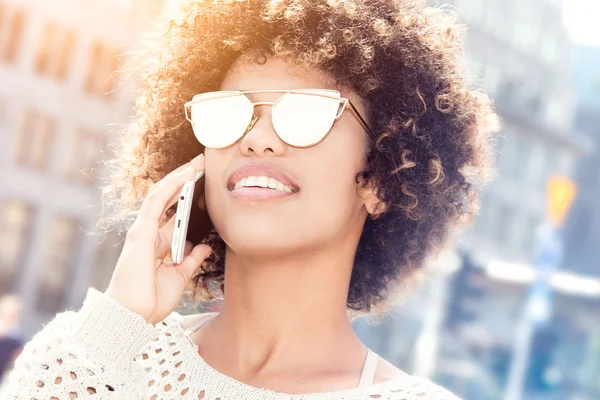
x,y
466,290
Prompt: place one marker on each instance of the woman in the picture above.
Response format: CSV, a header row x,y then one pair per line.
x,y
339,140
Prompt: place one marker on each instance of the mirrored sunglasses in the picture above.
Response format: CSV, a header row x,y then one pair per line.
x,y
300,117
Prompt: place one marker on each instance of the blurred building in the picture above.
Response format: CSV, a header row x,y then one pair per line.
x,y
583,224
582,229
57,99
519,51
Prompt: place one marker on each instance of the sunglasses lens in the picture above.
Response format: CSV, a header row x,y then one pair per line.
x,y
303,120
220,122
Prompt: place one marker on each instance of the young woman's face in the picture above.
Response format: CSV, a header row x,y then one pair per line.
x,y
324,211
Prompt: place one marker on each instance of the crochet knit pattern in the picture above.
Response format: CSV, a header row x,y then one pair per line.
x,y
105,351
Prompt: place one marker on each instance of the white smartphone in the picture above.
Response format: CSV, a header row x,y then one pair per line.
x,y
182,219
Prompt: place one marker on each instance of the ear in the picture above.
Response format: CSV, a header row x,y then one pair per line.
x,y
374,206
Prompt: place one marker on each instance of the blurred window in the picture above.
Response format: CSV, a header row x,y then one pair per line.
x,y
496,18
515,160
102,65
86,152
473,10
531,224
527,32
57,264
55,51
473,65
491,77
505,20
503,224
108,252
500,145
504,160
483,219
557,114
535,175
11,32
34,143
549,48
588,171
506,90
564,164
581,218
15,227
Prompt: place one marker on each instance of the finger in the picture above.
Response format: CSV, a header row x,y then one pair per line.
x,y
175,198
164,190
187,248
166,234
145,223
193,260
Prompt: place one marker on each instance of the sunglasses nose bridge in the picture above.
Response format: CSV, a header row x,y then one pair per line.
x,y
262,103
254,117
251,124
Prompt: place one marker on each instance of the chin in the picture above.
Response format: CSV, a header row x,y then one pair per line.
x,y
262,239
240,229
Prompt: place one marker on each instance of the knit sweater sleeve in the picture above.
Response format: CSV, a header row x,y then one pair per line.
x,y
82,353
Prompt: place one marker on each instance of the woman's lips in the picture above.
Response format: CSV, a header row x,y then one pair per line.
x,y
258,193
261,169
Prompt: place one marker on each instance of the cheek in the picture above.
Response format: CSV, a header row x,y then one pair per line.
x,y
335,180
337,188
214,181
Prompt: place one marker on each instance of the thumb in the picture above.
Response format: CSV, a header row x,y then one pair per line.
x,y
193,260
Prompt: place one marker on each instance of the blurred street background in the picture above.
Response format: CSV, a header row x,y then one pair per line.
x,y
511,311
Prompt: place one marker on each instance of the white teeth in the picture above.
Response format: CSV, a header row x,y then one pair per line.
x,y
262,181
280,186
240,183
251,181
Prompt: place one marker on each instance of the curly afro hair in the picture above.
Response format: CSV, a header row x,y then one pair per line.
x,y
402,57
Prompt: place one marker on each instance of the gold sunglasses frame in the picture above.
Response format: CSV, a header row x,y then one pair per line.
x,y
344,102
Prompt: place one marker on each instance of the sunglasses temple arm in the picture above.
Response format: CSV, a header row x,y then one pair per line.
x,y
360,119
186,106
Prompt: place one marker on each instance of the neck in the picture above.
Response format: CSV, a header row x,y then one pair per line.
x,y
285,309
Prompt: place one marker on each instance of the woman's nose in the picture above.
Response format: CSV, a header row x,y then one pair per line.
x,y
261,139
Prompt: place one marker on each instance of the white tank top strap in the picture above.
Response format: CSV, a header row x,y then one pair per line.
x,y
367,375
201,321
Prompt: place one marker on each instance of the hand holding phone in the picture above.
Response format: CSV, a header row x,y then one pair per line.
x,y
142,280
182,218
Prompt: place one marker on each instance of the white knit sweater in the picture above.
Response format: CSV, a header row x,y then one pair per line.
x,y
105,351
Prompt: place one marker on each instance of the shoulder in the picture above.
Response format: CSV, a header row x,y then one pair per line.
x,y
432,390
411,388
397,384
174,330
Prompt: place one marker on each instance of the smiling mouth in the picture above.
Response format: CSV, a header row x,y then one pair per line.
x,y
262,182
